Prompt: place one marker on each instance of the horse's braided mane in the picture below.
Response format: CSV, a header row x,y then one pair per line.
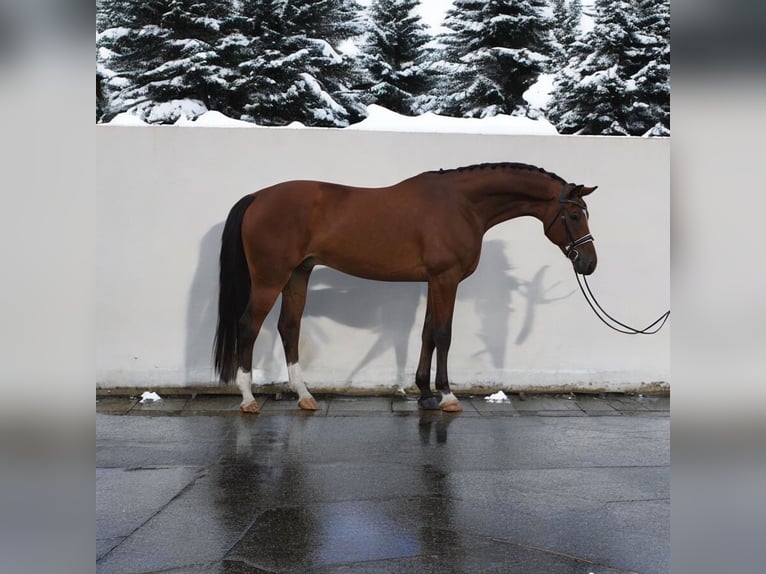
x,y
502,165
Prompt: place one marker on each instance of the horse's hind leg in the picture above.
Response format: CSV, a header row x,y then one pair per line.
x,y
261,301
293,302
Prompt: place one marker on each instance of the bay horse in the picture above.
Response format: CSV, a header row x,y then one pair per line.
x,y
426,228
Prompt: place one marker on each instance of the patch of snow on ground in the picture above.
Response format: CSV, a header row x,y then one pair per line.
x,y
382,119
148,396
497,397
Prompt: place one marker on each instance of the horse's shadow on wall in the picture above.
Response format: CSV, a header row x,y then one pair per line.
x,y
202,310
387,309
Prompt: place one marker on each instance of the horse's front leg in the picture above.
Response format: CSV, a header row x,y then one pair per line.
x,y
427,399
442,291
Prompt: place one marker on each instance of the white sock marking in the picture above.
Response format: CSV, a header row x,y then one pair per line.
x,y
295,375
448,398
244,382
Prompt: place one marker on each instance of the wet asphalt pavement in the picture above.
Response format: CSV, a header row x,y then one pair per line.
x,y
545,485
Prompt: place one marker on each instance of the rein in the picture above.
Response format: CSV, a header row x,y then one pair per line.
x,y
572,254
627,330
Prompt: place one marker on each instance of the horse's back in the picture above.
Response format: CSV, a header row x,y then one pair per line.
x,y
377,233
326,206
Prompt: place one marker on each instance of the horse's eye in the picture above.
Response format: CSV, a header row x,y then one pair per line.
x,y
574,217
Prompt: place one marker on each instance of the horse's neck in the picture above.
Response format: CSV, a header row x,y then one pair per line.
x,y
500,195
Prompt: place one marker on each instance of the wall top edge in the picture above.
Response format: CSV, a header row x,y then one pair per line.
x,y
284,129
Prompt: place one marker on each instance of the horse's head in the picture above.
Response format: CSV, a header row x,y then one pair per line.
x,y
568,227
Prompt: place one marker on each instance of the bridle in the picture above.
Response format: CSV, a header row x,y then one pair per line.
x,y
570,250
573,254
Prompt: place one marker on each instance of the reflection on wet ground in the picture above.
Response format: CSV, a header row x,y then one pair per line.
x,y
372,485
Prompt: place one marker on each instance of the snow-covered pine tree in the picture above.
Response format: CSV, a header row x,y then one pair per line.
x,y
259,70
162,58
594,92
192,68
495,51
652,80
271,61
128,33
103,73
287,65
331,20
325,84
102,22
565,29
394,55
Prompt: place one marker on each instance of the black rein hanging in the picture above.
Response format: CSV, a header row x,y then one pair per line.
x,y
628,330
572,254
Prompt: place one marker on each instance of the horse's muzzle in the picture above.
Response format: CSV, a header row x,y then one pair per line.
x,y
584,264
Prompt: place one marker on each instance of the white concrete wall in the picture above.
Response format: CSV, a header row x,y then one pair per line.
x,y
520,320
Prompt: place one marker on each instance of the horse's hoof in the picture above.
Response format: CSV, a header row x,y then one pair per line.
x,y
250,408
452,407
308,404
429,404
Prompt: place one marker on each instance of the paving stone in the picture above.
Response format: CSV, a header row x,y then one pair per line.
x,y
595,405
197,537
562,413
290,407
105,545
126,498
604,413
213,405
655,403
627,403
419,492
115,405
611,405
484,407
352,406
657,414
162,407
404,405
541,403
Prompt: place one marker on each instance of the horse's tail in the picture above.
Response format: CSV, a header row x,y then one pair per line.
x,y
234,292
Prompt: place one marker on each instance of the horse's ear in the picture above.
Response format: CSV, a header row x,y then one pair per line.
x,y
580,191
576,191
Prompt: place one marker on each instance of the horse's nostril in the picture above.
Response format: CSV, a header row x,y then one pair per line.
x,y
587,267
